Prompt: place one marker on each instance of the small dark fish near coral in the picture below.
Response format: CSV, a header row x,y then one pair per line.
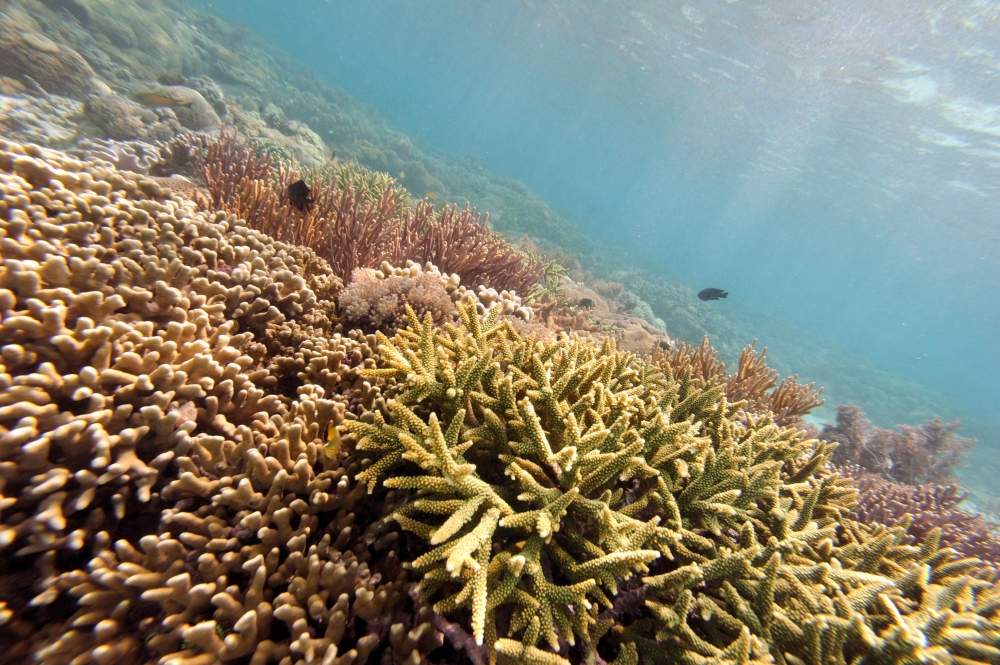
x,y
712,294
298,195
587,303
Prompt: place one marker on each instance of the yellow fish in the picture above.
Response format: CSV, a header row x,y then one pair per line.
x,y
332,447
402,175
160,99
431,195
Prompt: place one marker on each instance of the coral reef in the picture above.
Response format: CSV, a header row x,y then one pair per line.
x,y
754,382
186,105
548,476
50,120
351,232
134,156
30,56
931,507
924,453
180,380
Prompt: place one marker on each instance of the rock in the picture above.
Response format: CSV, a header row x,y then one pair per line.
x,y
192,110
79,9
26,54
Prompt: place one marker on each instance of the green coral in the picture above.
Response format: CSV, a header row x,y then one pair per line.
x,y
544,477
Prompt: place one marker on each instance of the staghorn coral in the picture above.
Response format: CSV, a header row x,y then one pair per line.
x,y
924,453
608,468
931,506
596,449
752,382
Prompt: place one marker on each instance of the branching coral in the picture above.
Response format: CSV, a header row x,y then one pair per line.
x,y
931,506
178,379
606,465
924,453
352,229
754,382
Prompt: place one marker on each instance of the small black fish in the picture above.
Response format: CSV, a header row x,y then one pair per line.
x,y
587,303
712,294
298,195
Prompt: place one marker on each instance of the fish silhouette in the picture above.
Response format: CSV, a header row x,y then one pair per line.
x,y
712,294
298,195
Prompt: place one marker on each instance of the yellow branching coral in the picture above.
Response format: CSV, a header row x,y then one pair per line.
x,y
544,476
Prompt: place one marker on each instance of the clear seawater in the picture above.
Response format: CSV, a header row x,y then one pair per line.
x,y
834,165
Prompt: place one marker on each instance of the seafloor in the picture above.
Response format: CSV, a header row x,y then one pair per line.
x,y
248,420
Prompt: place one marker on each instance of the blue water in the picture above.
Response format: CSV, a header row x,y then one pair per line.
x,y
832,165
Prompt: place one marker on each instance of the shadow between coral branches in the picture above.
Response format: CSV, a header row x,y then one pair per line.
x,y
358,219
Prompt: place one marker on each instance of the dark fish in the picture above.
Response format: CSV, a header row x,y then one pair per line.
x,y
712,294
298,195
587,303
171,79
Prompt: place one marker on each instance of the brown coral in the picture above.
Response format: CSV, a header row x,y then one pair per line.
x,y
924,453
29,55
372,304
352,230
753,381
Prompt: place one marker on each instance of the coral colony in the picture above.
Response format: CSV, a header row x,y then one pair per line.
x,y
214,451
260,406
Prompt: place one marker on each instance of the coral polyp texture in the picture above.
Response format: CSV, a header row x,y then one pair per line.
x,y
199,463
753,383
577,503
